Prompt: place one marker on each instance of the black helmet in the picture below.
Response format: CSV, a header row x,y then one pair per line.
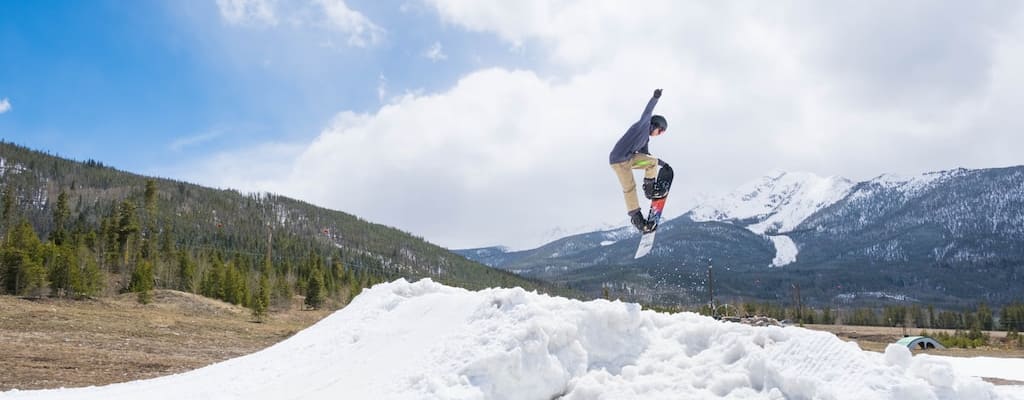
x,y
658,121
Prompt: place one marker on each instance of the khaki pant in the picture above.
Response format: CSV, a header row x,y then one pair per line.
x,y
624,171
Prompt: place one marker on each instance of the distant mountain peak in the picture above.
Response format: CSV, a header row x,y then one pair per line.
x,y
776,202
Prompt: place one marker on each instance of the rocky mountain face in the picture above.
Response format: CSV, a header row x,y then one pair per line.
x,y
945,238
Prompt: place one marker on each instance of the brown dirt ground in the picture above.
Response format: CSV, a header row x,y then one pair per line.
x,y
52,343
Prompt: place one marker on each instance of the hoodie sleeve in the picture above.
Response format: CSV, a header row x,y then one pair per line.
x,y
649,110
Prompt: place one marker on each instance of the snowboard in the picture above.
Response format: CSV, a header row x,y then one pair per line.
x,y
663,183
647,239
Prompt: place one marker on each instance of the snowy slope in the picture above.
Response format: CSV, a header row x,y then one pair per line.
x,y
424,340
775,204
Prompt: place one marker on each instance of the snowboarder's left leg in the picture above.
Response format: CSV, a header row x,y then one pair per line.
x,y
647,163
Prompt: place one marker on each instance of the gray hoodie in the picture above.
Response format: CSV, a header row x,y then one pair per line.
x,y
636,137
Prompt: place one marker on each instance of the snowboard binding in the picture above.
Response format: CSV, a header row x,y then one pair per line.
x,y
658,188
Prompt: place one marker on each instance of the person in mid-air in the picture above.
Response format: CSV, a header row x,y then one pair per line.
x,y
631,152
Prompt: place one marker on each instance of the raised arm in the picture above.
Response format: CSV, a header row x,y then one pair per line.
x,y
649,110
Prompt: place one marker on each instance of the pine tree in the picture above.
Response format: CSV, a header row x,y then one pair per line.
x,y
62,267
261,302
127,229
233,285
186,273
315,289
283,292
985,320
61,213
8,207
212,285
23,272
142,281
90,280
149,233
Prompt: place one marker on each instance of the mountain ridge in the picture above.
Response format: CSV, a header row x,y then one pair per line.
x,y
201,220
944,237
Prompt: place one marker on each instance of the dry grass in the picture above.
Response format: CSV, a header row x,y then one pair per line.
x,y
52,343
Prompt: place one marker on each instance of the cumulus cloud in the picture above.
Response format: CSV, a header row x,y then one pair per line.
x,y
837,88
332,15
5,105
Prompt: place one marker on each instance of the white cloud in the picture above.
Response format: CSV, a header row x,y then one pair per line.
x,y
435,53
360,30
5,105
248,12
506,154
327,15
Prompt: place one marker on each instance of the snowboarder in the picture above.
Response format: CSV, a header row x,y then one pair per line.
x,y
630,153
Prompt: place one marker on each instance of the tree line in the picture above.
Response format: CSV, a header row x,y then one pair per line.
x,y
130,250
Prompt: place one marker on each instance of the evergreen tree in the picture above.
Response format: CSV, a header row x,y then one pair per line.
x,y
90,280
212,285
127,229
62,266
166,242
315,289
984,316
186,272
8,207
261,302
22,261
149,233
826,316
234,288
61,213
283,292
142,281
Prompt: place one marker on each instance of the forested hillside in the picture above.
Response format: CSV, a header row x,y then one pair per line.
x,y
83,229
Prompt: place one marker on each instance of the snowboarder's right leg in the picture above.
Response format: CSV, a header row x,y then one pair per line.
x,y
624,172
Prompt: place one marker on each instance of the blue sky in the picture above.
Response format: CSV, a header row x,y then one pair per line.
x,y
489,122
146,85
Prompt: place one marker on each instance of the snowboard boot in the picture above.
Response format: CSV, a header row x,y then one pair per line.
x,y
638,220
649,227
649,188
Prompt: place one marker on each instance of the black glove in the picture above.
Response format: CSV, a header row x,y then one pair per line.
x,y
657,93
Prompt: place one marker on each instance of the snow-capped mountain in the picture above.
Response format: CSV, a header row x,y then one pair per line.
x,y
775,204
943,237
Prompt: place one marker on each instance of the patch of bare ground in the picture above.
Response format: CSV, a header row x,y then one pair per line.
x,y
52,343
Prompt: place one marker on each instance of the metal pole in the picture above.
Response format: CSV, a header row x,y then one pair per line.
x,y
711,289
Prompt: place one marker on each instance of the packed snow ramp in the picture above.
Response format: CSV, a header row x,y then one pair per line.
x,y
424,340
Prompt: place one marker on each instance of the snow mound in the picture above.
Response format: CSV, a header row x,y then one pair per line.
x,y
424,340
